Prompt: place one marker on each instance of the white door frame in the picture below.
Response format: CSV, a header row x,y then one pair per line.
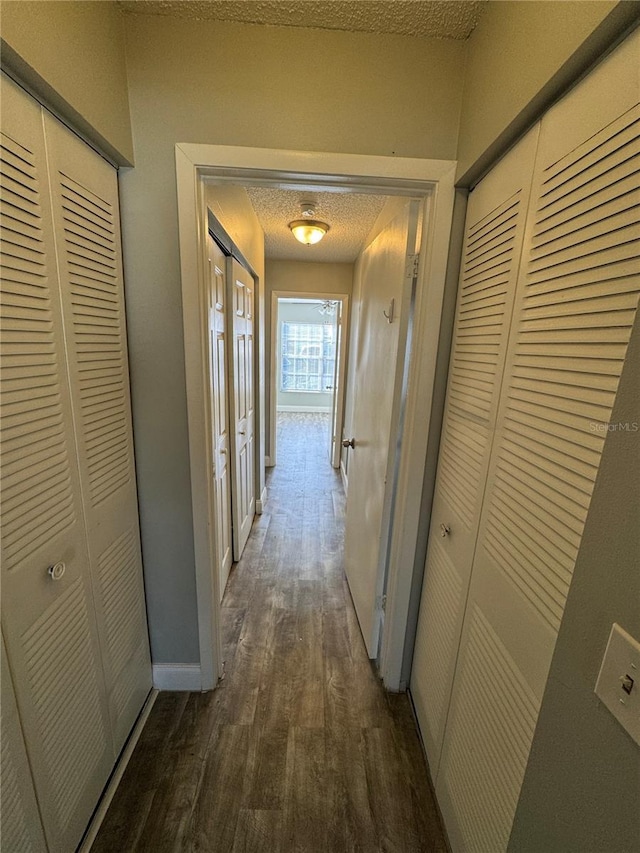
x,y
432,179
341,362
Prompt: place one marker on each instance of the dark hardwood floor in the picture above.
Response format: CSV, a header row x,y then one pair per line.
x,y
299,748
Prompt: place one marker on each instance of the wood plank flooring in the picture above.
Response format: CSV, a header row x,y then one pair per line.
x,y
299,750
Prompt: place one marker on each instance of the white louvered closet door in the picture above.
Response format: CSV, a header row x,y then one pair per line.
x,y
575,305
84,191
491,254
21,825
48,624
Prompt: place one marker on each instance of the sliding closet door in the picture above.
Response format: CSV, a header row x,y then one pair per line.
x,y
47,607
575,305
84,191
493,241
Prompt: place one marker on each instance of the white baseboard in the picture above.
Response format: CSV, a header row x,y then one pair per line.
x,y
267,462
109,793
261,502
177,676
326,410
343,474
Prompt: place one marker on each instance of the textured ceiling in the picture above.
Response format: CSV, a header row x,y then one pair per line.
x,y
444,19
349,215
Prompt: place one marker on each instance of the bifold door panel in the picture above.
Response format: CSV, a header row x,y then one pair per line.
x,y
72,601
87,226
575,301
21,824
491,254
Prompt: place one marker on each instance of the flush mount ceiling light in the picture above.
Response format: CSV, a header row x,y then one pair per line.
x,y
308,230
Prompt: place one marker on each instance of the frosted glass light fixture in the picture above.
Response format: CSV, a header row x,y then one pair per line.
x,y
308,230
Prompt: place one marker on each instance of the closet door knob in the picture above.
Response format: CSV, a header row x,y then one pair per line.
x,y
56,571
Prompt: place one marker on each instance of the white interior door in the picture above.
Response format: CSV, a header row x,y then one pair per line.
x,y
242,398
387,274
220,450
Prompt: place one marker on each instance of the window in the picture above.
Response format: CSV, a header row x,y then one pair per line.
x,y
308,356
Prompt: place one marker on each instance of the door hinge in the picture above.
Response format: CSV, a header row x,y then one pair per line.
x,y
415,259
381,603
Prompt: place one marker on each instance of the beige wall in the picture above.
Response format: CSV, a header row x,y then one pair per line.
x,y
522,56
301,277
225,83
231,206
307,277
72,55
237,84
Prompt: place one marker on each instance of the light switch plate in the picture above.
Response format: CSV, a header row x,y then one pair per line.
x,y
618,684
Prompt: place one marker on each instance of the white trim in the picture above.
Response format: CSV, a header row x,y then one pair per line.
x,y
308,170
125,756
192,230
316,169
267,462
413,451
261,502
419,217
324,410
177,676
304,391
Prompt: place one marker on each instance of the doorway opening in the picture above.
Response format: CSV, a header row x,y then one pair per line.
x,y
430,180
309,335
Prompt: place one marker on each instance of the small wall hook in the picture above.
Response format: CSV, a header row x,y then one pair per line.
x,y
390,315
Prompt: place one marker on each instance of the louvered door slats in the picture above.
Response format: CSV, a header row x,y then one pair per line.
x,y
578,456
561,527
610,147
576,302
49,626
85,200
582,220
493,730
21,824
30,419
493,239
90,245
587,234
592,208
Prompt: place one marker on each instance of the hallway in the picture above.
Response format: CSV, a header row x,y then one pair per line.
x,y
299,748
